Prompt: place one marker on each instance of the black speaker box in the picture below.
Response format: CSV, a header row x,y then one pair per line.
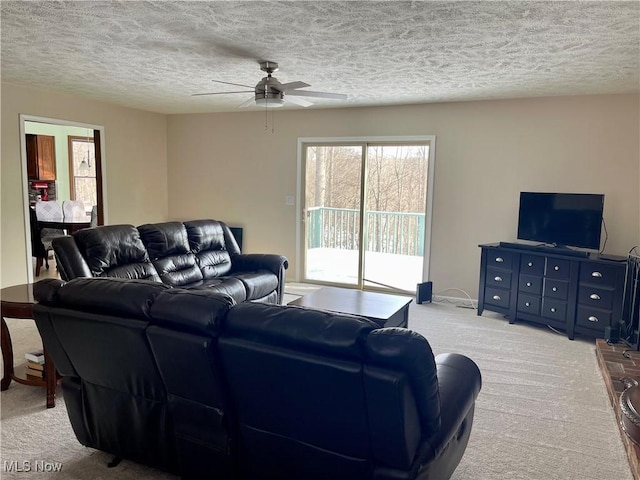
x,y
424,292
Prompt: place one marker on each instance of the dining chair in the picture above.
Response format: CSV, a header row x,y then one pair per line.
x,y
49,210
73,208
38,250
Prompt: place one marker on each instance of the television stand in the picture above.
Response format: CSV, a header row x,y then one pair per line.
x,y
546,249
552,286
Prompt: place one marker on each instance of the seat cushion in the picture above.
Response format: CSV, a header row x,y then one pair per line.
x,y
228,285
258,284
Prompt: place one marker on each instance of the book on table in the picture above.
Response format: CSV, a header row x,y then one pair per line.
x,y
36,356
34,373
34,369
35,364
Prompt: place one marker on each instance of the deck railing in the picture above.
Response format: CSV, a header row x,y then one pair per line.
x,y
387,232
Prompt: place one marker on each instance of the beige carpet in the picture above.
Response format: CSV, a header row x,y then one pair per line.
x,y
542,414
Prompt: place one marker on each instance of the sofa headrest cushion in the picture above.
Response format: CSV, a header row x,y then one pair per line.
x,y
191,310
164,239
299,329
205,235
108,296
109,246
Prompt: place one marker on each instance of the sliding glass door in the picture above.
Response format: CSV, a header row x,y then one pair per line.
x,y
364,216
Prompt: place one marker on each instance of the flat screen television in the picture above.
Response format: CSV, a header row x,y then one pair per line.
x,y
561,219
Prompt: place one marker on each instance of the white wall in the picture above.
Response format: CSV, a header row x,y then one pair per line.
x,y
135,160
226,166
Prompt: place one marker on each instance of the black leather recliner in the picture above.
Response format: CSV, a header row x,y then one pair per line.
x,y
96,334
252,391
199,254
319,395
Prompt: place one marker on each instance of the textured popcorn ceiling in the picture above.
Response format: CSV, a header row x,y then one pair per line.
x,y
154,55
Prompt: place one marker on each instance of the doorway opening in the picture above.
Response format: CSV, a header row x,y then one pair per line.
x,y
49,174
366,211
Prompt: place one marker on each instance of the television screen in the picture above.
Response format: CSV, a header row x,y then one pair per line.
x,y
563,219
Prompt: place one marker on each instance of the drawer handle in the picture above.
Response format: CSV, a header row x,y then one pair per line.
x,y
496,297
499,259
527,304
594,296
554,289
592,318
556,268
498,279
553,310
528,284
530,264
596,274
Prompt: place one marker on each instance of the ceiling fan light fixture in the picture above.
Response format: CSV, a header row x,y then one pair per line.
x,y
269,101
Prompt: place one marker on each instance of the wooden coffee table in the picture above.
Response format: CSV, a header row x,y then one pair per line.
x,y
17,302
385,309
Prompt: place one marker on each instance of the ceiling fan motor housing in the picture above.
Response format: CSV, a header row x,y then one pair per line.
x,y
268,88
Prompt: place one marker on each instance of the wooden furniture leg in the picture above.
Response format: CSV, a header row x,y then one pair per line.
x,y
7,357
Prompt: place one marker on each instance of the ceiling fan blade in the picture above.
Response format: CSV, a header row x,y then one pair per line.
x,y
219,93
291,85
248,103
309,93
297,101
236,84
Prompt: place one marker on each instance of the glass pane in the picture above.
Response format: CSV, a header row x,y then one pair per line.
x,y
84,160
333,213
85,188
395,215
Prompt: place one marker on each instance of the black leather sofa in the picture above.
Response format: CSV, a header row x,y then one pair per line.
x,y
199,254
187,381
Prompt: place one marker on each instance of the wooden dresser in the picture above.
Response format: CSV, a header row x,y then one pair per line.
x,y
579,295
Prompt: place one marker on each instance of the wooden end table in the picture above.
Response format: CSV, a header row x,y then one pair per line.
x,y
17,302
385,309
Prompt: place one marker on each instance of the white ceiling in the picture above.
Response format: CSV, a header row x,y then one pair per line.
x,y
154,55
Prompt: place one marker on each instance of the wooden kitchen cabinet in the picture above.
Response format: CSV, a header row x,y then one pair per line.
x,y
41,157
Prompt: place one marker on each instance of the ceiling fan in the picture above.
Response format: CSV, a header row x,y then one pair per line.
x,y
270,93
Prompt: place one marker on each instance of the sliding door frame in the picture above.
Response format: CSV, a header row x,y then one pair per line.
x,y
364,141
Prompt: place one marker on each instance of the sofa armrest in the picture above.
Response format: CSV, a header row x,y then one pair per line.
x,y
276,264
259,261
70,262
459,382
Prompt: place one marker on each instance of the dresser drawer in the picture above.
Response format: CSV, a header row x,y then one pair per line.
x,y
593,317
498,278
531,264
600,274
529,304
556,288
497,296
558,268
595,297
500,259
530,284
554,309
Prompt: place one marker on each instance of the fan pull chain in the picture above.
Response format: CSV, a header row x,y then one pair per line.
x,y
273,121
